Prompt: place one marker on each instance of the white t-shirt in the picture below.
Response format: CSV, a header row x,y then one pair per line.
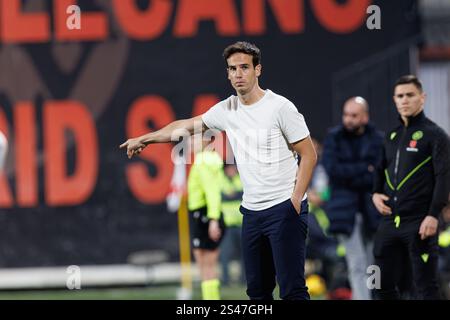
x,y
259,135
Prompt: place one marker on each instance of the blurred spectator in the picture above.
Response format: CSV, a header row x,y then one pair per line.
x,y
444,252
320,246
231,242
350,154
206,220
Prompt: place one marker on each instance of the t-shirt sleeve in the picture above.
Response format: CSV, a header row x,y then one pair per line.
x,y
292,123
214,118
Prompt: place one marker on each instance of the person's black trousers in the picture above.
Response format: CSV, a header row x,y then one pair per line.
x,y
399,249
273,245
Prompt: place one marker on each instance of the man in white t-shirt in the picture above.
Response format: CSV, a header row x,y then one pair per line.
x,y
266,133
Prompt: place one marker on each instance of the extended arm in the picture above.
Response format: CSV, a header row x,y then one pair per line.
x,y
171,132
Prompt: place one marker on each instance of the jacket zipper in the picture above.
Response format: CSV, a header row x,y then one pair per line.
x,y
397,162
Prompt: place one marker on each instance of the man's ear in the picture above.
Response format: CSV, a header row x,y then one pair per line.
x,y
258,69
423,97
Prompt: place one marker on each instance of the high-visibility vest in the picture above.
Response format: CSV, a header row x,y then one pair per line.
x,y
204,183
231,200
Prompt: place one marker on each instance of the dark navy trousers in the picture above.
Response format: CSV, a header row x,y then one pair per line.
x,y
273,245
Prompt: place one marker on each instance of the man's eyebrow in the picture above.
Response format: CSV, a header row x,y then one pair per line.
x,y
240,65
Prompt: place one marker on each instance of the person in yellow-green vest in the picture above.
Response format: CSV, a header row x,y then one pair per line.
x,y
444,252
231,200
206,220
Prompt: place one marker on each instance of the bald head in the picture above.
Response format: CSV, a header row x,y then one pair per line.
x,y
358,102
355,114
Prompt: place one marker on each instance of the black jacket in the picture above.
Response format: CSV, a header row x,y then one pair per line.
x,y
346,159
415,168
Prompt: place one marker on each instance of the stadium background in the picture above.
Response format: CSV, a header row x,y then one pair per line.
x,y
68,195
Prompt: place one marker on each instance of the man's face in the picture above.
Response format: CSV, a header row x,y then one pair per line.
x,y
241,73
409,100
354,116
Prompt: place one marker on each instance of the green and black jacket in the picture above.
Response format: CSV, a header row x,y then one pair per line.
x,y
415,168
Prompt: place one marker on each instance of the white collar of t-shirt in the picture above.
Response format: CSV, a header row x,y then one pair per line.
x,y
257,103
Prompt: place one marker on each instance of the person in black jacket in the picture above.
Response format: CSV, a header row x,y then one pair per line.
x,y
350,154
410,190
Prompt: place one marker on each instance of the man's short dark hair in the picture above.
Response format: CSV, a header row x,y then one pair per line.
x,y
243,47
409,79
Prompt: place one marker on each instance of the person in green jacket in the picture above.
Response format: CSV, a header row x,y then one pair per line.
x,y
206,221
231,200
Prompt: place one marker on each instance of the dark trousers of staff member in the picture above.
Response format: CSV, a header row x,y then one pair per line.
x,y
273,246
393,239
